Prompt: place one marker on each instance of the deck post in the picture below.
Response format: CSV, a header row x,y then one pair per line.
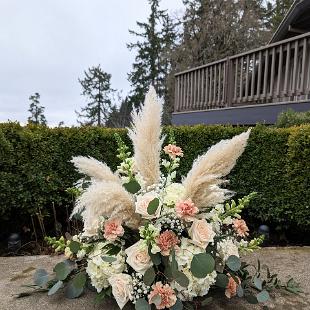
x,y
229,82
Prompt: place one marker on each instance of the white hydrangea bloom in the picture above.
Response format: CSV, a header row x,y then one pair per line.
x,y
226,248
184,254
173,193
196,287
99,270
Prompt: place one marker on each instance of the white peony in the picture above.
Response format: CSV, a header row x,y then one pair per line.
x,y
226,248
142,204
173,193
196,287
122,289
99,270
138,257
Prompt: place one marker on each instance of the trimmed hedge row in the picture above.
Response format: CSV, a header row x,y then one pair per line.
x,y
35,169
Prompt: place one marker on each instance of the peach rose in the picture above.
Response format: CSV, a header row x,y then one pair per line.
x,y
240,228
167,241
173,151
122,289
143,203
201,233
112,229
231,288
166,294
138,257
186,209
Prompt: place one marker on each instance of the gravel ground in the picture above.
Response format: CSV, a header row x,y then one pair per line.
x,y
290,261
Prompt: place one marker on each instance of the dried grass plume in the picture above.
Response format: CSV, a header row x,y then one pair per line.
x,y
203,180
146,137
94,168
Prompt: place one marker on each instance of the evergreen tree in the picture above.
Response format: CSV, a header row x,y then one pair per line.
x,y
37,116
97,89
152,60
278,10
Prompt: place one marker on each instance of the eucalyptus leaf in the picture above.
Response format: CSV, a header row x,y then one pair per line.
x,y
258,283
55,288
251,299
142,304
221,280
62,270
74,246
181,278
153,206
132,186
40,277
108,259
263,296
156,300
233,262
240,291
202,264
75,286
149,276
177,306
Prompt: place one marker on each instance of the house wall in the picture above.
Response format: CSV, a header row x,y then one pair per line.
x,y
245,115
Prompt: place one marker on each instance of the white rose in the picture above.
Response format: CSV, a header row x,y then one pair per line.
x,y
138,257
201,233
121,288
142,204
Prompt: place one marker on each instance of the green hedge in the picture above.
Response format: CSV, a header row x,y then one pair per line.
x,y
35,169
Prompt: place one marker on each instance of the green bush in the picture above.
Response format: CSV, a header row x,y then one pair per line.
x,y
291,118
35,167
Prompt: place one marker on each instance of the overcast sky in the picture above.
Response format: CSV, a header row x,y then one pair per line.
x,y
46,45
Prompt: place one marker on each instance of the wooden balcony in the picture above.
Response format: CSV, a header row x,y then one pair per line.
x,y
269,79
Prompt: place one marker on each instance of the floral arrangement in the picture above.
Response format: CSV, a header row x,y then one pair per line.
x,y
153,241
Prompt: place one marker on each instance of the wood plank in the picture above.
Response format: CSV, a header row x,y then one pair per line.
x,y
265,74
207,88
219,85
303,67
294,85
253,77
272,77
236,81
246,95
210,87
280,69
214,85
287,70
259,77
241,81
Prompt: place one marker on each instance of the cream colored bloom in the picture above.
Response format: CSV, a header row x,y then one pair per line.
x,y
122,289
142,204
201,233
138,257
173,193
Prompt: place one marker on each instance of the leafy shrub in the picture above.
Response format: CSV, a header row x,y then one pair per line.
x,y
291,118
36,170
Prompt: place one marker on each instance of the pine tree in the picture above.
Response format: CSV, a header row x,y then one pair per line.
x,y
152,61
278,10
97,89
37,112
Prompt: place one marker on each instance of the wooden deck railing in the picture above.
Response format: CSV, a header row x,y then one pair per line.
x,y
278,72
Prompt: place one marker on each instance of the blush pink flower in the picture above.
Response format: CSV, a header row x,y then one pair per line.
x,y
166,294
231,288
240,228
167,241
186,210
173,151
112,229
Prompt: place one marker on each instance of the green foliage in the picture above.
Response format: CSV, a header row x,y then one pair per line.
x,y
36,170
37,116
291,118
202,264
